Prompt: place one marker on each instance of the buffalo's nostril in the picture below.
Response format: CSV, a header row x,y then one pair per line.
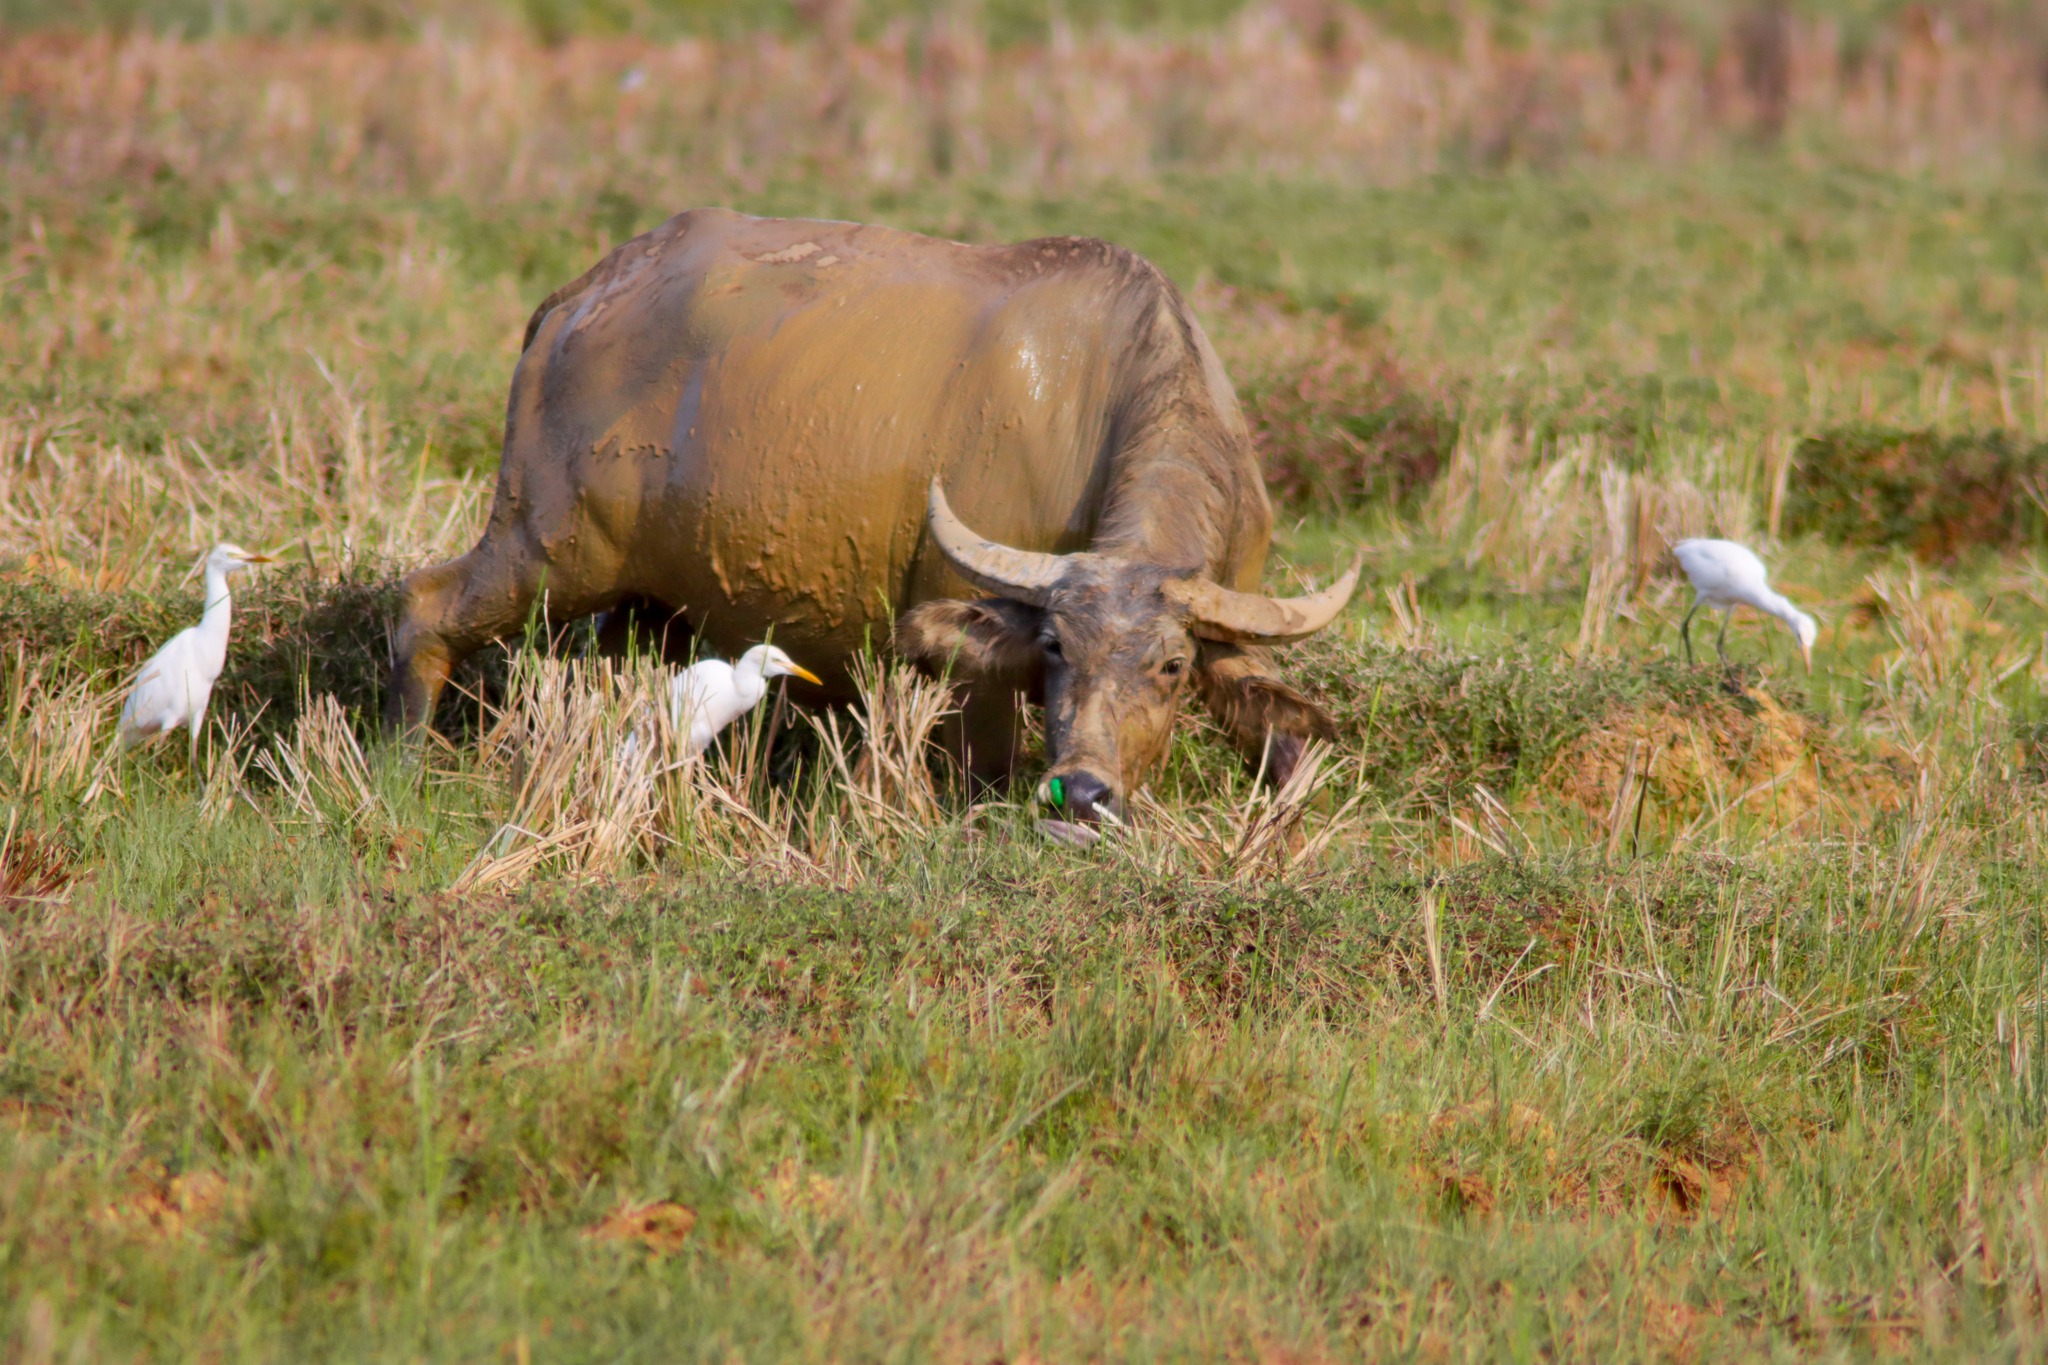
x,y
1080,796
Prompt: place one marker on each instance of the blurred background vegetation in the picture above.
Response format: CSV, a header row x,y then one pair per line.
x,y
1515,22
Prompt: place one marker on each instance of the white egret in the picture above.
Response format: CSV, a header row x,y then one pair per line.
x,y
172,689
1726,575
711,694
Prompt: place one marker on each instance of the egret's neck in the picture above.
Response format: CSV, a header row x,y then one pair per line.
x,y
213,622
1780,606
750,679
216,591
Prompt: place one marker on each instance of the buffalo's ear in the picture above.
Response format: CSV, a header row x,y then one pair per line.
x,y
994,638
1268,722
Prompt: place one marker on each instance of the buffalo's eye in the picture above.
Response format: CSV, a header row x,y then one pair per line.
x,y
1173,668
1051,644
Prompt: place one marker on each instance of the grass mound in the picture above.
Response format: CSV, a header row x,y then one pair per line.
x,y
1434,725
295,631
1755,762
1938,494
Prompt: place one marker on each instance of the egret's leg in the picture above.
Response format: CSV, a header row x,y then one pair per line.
x,y
1721,640
1685,629
198,724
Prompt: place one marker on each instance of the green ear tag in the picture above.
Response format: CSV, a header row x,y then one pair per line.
x,y
1057,791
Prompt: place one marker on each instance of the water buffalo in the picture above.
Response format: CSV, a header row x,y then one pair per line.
x,y
768,425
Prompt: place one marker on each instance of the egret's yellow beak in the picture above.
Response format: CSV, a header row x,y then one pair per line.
x,y
1806,653
248,558
799,671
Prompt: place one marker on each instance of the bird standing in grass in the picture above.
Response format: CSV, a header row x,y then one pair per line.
x,y
711,694
1727,575
172,689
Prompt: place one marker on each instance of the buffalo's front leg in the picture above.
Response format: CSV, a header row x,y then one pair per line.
x,y
1268,722
986,737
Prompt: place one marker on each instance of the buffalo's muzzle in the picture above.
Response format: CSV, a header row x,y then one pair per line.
x,y
1080,796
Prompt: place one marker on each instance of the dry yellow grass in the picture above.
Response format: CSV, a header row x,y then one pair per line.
x,y
86,513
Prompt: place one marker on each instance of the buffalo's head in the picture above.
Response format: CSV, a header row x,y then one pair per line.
x,y
1112,644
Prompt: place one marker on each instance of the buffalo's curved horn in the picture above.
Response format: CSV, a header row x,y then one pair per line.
x,y
1026,575
1248,618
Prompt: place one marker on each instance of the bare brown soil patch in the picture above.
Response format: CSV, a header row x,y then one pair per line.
x,y
164,1207
658,1225
1688,772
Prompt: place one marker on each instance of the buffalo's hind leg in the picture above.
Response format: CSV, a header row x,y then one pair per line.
x,y
451,610
445,612
645,627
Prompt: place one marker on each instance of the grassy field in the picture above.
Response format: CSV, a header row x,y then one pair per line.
x,y
1585,1005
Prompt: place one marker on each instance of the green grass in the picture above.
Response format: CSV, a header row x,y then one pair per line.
x,y
1939,495
1635,304
1068,1109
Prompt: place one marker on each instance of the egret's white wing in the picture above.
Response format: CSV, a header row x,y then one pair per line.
x,y
704,700
161,697
1721,571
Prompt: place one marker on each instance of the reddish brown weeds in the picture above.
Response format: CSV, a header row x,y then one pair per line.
x,y
33,867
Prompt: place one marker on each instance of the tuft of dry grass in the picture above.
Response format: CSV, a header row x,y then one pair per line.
x,y
320,769
659,1226
53,737
582,747
1541,510
225,756
33,866
328,488
884,769
596,777
1263,837
164,1207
